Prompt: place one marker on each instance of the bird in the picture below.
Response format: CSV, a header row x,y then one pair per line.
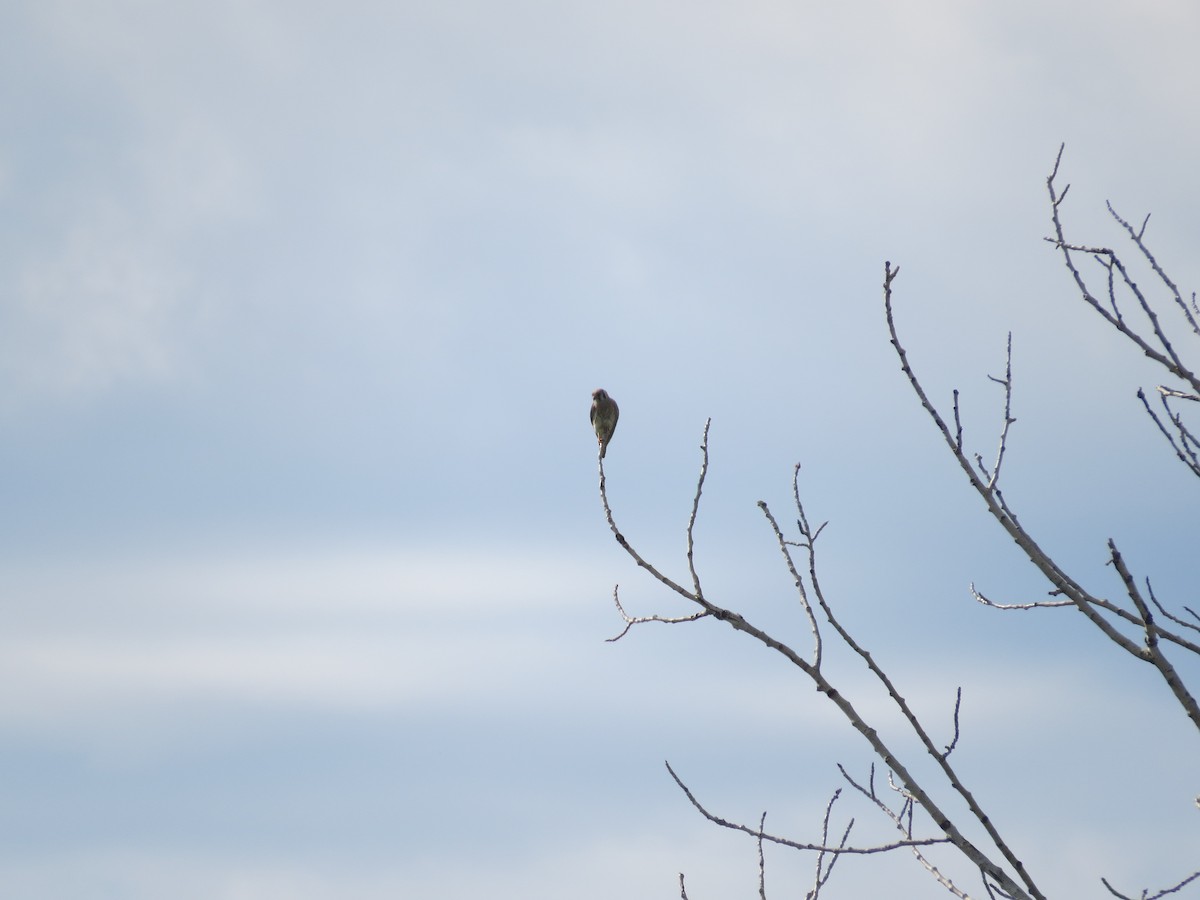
x,y
604,418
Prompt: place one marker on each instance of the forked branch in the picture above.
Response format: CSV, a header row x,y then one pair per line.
x,y
1018,885
985,484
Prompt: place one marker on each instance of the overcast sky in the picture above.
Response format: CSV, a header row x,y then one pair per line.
x,y
304,579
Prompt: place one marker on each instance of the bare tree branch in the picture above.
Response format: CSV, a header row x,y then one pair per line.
x,y
1107,606
784,546
659,576
919,730
1164,354
1137,239
1133,623
1024,888
1083,601
1183,441
1151,652
836,849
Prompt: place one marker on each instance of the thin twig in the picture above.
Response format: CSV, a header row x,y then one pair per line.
x,y
659,576
1146,895
1007,383
1158,270
797,581
819,879
902,820
957,425
630,621
957,706
691,526
1036,604
1187,444
762,860
1099,603
1183,623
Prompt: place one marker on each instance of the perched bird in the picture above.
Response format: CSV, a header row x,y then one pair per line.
x,y
604,418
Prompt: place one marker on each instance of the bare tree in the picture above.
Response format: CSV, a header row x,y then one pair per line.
x,y
939,809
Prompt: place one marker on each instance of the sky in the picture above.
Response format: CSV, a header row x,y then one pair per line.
x,y
305,580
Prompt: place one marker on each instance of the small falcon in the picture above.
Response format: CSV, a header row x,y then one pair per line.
x,y
604,418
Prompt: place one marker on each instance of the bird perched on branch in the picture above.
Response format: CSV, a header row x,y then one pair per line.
x,y
604,418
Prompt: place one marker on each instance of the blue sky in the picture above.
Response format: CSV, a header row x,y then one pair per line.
x,y
305,582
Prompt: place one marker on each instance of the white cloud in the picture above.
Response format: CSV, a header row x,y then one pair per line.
x,y
355,631
306,583
64,678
